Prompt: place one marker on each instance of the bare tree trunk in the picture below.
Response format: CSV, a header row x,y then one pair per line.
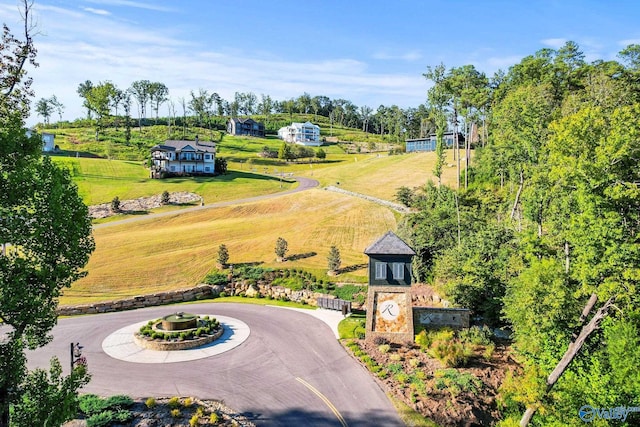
x,y
515,203
574,348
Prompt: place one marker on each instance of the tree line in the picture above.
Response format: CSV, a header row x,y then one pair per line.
x,y
541,238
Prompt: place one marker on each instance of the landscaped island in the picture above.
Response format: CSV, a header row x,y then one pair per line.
x,y
178,331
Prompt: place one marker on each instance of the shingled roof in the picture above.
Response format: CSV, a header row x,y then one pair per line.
x,y
389,244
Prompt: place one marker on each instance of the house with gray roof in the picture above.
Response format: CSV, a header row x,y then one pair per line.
x,y
175,158
248,127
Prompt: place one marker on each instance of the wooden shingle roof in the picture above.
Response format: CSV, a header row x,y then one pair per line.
x,y
389,244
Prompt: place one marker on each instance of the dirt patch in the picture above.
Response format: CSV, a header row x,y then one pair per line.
x,y
450,397
144,204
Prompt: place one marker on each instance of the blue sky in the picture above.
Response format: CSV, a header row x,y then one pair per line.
x,y
369,52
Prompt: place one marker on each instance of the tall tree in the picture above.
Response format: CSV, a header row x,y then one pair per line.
x,y
45,109
158,95
45,230
83,90
100,99
140,91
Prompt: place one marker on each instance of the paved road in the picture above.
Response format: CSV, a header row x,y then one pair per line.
x,y
304,184
290,371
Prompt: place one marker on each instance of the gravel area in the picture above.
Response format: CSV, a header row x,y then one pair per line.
x,y
144,204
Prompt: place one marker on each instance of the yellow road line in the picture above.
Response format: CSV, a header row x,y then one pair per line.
x,y
324,399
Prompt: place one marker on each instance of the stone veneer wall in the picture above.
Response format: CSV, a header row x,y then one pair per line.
x,y
199,292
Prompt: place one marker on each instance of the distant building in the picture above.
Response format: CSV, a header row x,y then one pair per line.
x,y
183,158
245,127
48,140
429,143
301,133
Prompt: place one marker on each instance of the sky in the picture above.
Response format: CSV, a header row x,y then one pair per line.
x,y
370,52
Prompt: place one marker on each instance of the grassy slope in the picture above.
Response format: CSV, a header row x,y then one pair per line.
x,y
99,181
160,254
178,252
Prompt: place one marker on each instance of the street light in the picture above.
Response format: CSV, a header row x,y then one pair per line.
x,y
75,351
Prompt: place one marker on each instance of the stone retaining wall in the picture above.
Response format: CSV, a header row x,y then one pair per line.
x,y
199,292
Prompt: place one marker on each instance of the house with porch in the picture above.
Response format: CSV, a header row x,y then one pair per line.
x,y
429,143
245,127
183,158
301,133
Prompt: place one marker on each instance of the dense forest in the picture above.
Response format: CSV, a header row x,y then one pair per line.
x,y
541,237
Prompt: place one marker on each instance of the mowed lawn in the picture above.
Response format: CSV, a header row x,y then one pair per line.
x,y
380,175
100,180
178,251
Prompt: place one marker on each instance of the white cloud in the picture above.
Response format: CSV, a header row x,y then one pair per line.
x,y
627,42
409,56
555,43
97,11
134,4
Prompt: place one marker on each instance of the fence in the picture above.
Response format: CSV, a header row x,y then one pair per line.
x,y
334,304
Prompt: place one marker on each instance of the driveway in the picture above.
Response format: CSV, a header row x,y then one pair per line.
x,y
291,370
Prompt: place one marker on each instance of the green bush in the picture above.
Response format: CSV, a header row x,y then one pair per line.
x,y
119,401
488,351
101,419
395,368
216,279
194,420
150,402
122,416
174,402
384,348
360,332
476,335
450,353
223,294
423,339
456,382
175,413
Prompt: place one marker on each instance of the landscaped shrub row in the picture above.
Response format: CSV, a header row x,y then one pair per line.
x,y
455,349
206,326
294,279
103,412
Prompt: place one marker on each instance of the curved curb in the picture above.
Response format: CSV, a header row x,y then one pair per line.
x,y
120,344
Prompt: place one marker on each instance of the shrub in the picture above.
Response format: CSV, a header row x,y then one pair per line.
x,y
476,335
175,413
366,358
91,404
395,368
488,351
188,402
384,348
216,279
122,416
395,357
223,294
174,402
194,420
414,362
456,382
150,402
101,419
281,248
118,402
423,340
223,255
402,377
214,418
164,199
450,353
115,204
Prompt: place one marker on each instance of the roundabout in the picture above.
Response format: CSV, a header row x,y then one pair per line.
x,y
122,344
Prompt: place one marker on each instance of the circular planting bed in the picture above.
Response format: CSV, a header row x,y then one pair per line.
x,y
179,331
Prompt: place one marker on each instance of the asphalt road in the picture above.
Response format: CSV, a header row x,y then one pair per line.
x,y
290,371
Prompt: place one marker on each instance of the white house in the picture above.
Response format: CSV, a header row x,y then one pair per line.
x,y
183,158
301,133
48,140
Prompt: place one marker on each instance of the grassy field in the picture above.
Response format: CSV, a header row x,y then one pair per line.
x,y
100,180
178,251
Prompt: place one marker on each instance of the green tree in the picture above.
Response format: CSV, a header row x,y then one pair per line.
x,y
45,109
99,99
83,90
164,199
223,256
45,229
140,90
333,260
48,398
158,95
321,154
115,205
285,152
281,249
